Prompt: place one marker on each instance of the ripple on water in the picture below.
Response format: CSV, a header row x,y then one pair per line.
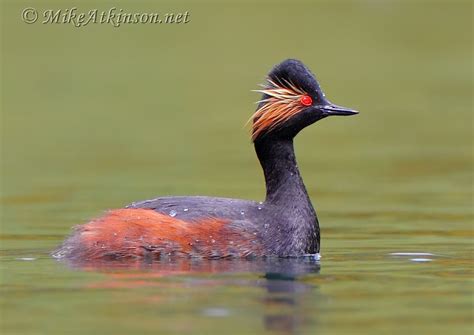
x,y
412,254
421,260
313,257
216,312
417,257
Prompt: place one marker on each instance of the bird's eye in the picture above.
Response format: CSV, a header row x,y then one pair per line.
x,y
306,100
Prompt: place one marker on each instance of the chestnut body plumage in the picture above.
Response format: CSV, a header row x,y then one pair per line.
x,y
284,225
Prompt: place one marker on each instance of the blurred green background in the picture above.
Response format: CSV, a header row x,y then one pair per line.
x,y
99,116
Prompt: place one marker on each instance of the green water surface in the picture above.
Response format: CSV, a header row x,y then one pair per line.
x,y
96,117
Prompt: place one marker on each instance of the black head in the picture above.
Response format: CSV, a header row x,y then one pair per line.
x,y
292,100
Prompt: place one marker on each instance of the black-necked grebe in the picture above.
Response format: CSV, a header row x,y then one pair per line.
x,y
284,225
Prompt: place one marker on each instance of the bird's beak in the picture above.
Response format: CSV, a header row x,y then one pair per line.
x,y
332,109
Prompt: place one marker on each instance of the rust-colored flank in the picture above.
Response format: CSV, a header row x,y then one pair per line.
x,y
144,233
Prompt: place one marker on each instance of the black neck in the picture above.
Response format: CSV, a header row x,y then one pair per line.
x,y
286,191
282,177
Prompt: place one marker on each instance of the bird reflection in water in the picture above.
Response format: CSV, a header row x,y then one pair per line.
x,y
284,313
284,296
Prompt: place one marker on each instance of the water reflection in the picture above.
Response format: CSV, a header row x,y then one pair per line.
x,y
284,312
282,304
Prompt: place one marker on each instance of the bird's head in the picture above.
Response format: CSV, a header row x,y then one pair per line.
x,y
291,101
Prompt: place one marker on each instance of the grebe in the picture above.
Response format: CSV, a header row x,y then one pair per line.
x,y
284,225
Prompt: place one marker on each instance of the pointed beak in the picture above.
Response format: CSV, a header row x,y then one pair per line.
x,y
332,109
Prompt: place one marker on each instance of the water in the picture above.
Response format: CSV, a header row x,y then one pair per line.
x,y
98,117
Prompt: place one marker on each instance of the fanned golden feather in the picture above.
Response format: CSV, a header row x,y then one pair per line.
x,y
282,103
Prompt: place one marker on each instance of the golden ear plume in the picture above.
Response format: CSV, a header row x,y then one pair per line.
x,y
282,102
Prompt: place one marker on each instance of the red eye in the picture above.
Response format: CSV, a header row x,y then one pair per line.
x,y
306,100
